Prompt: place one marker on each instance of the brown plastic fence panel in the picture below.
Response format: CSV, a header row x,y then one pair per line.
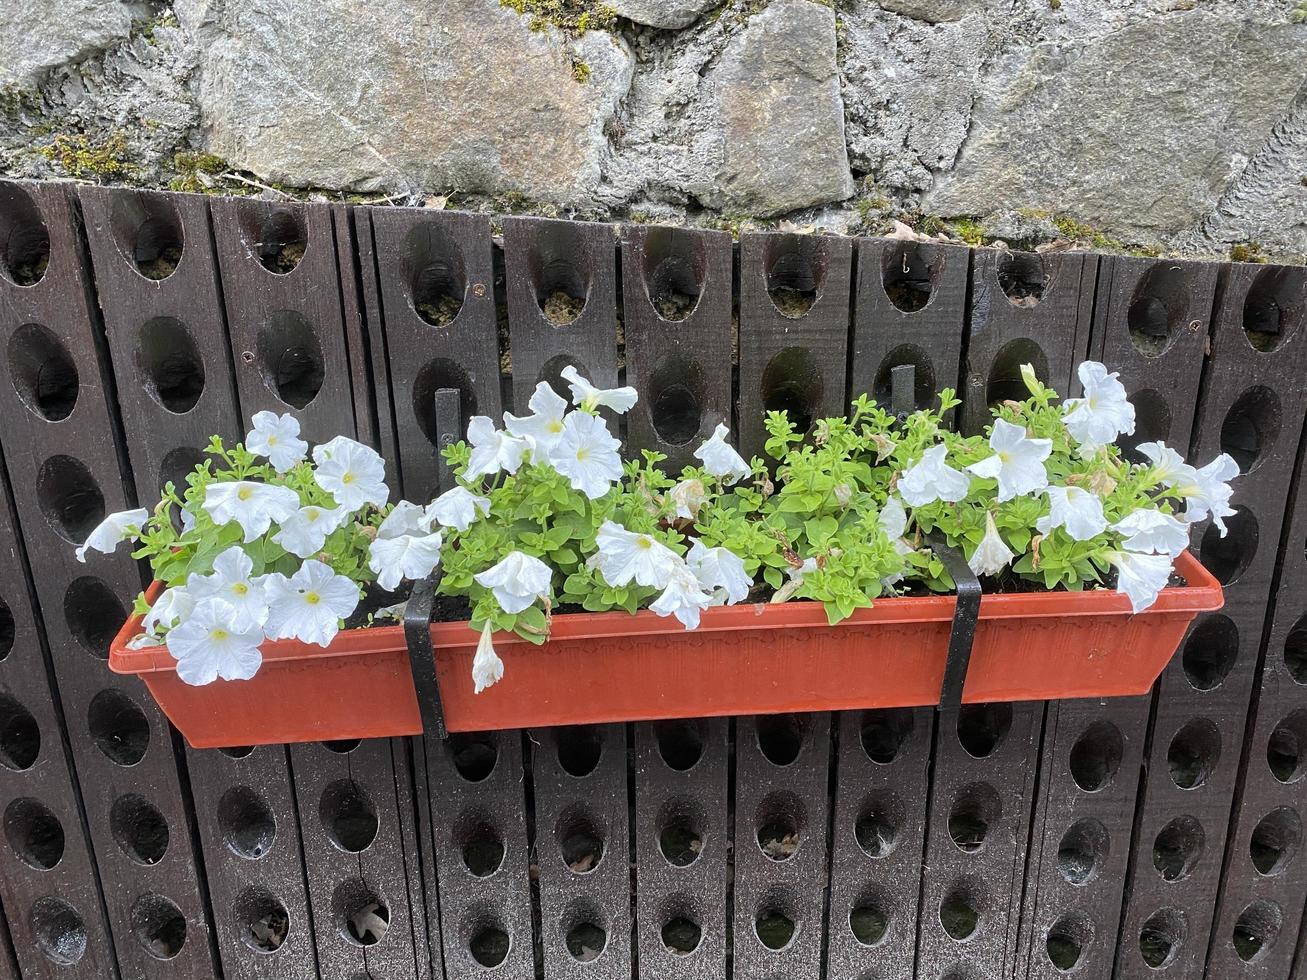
x,y
1151,323
8,960
877,840
683,838
249,831
676,309
358,277
281,285
1251,406
1080,840
472,804
910,307
561,280
437,293
47,872
61,453
1260,906
157,284
794,330
782,771
357,848
1025,308
582,850
982,784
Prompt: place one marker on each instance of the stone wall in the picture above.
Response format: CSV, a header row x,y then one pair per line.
x,y
1179,124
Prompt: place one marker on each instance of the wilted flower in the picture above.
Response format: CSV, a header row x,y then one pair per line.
x,y
309,605
1103,414
1078,511
406,556
545,423
720,458
687,497
992,555
254,506
517,581
492,449
276,437
112,531
586,454
1140,577
931,479
351,472
720,573
213,642
683,598
1017,463
589,398
487,668
1149,530
457,508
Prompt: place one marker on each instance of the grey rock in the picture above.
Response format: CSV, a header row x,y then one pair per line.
x,y
931,11
778,112
406,95
37,35
1140,131
666,14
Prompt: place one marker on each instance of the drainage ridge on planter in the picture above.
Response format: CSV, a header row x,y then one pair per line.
x,y
744,659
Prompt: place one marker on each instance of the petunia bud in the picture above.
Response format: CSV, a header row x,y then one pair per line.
x,y
843,495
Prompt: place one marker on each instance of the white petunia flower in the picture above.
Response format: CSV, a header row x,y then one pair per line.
x,y
1149,530
354,474
624,555
457,508
687,497
276,437
214,641
720,573
305,532
232,582
172,606
992,555
683,598
545,423
403,557
893,519
142,641
586,453
112,531
1140,577
254,506
517,581
309,605
405,517
1078,511
589,398
931,479
492,449
720,458
1017,463
1169,467
1103,414
1208,491
487,668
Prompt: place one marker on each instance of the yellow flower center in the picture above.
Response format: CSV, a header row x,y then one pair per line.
x,y
554,426
1004,457
347,479
244,493
219,634
644,542
312,515
272,440
312,598
582,454
240,588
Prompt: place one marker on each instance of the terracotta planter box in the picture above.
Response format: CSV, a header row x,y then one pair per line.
x,y
745,659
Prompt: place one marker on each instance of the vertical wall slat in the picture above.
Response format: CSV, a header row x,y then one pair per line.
x,y
676,305
794,330
61,453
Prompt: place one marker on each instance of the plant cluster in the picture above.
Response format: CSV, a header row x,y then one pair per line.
x,y
546,516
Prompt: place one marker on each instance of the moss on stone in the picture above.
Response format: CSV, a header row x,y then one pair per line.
x,y
967,229
1079,231
572,17
190,166
1247,252
78,157
580,70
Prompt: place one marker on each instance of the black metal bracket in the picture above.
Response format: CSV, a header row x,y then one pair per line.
x,y
422,655
965,614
